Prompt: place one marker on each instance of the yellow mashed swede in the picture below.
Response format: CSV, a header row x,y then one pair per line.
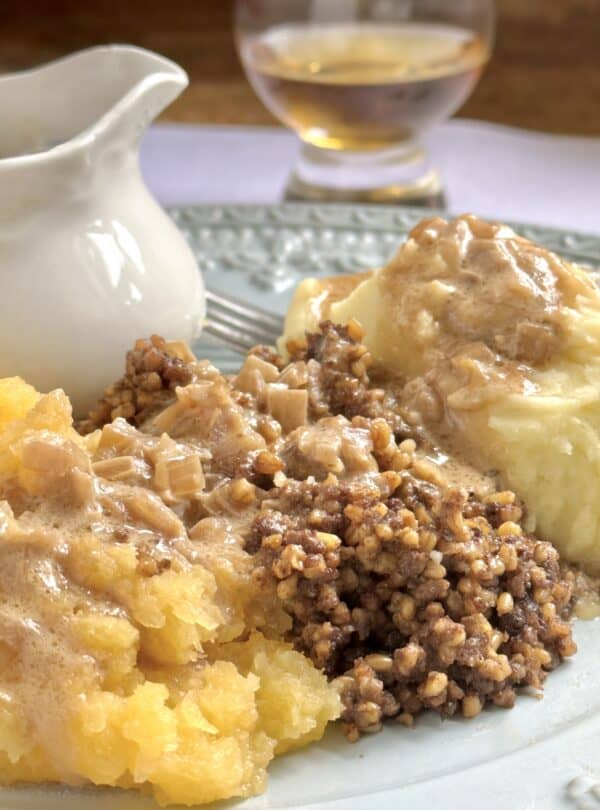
x,y
114,678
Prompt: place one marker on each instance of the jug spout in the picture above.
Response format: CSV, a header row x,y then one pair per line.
x,y
140,84
82,100
65,123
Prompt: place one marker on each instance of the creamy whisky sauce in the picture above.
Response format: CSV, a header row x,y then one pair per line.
x,y
459,473
442,449
491,280
470,292
467,311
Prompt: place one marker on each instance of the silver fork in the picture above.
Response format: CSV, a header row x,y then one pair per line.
x,y
238,325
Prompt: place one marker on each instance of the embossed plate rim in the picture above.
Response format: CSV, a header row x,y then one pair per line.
x,y
335,214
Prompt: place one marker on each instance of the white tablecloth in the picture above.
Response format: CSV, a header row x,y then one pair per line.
x,y
491,170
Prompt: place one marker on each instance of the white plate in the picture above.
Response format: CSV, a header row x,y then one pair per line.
x,y
542,755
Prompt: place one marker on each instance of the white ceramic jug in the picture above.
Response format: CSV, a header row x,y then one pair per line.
x,y
88,260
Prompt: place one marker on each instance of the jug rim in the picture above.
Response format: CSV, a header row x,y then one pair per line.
x,y
164,69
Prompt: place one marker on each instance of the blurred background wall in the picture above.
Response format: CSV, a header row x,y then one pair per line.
x,y
545,72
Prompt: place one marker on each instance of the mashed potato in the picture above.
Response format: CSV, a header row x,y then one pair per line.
x,y
499,343
118,667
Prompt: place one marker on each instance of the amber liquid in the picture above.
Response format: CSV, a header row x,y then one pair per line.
x,y
363,86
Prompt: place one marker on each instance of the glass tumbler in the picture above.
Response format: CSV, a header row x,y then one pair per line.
x,y
361,81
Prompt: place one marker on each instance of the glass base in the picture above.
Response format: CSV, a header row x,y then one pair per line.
x,y
398,176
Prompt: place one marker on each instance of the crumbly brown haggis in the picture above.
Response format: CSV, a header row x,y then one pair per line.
x,y
421,598
153,369
415,594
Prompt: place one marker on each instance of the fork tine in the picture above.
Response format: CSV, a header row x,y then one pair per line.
x,y
239,325
239,342
237,334
262,334
256,315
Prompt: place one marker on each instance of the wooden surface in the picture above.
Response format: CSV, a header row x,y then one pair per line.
x,y
545,72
